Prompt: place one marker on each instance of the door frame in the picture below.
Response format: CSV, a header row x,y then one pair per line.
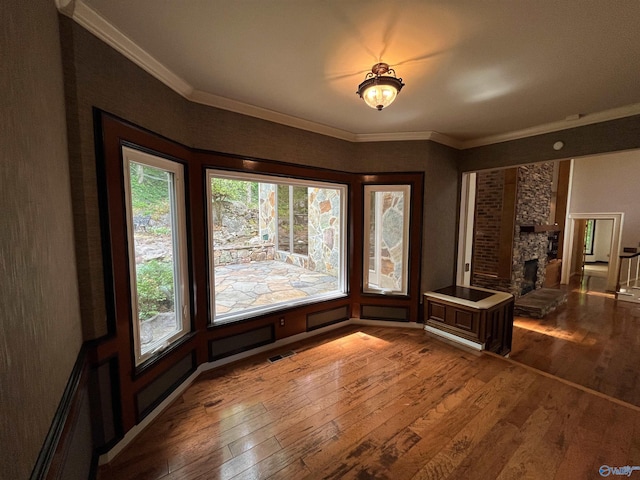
x,y
616,241
465,230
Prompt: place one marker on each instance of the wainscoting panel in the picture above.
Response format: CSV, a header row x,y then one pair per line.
x,y
327,317
156,391
68,448
378,312
224,347
105,399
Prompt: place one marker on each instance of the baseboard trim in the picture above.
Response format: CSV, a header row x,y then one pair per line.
x,y
454,338
386,323
52,456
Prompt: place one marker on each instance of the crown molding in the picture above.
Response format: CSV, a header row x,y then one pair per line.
x,y
408,136
92,21
66,7
571,122
95,23
211,100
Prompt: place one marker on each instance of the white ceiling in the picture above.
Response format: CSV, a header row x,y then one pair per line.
x,y
475,71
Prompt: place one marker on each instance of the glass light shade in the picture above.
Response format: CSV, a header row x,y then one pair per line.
x,y
380,96
379,90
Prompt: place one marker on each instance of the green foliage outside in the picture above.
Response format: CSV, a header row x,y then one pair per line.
x,y
149,191
150,197
226,190
155,288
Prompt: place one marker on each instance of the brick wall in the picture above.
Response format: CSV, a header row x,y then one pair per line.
x,y
487,223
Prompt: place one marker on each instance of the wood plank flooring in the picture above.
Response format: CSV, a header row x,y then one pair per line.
x,y
592,340
381,403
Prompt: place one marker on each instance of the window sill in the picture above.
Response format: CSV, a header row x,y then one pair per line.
x,y
150,362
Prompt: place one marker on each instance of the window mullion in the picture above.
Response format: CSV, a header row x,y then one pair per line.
x,y
291,217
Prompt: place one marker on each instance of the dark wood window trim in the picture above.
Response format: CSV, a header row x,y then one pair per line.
x,y
410,301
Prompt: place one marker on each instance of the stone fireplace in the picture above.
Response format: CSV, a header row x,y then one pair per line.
x,y
510,253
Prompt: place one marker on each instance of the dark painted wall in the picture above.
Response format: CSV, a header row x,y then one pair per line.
x,y
40,328
611,136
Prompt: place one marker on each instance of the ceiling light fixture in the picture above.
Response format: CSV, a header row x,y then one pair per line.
x,y
380,87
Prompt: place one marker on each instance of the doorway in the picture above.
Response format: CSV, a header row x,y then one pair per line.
x,y
580,247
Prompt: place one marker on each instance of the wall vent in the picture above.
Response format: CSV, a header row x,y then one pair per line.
x,y
276,358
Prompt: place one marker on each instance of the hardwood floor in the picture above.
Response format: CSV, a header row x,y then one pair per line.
x,y
592,340
382,403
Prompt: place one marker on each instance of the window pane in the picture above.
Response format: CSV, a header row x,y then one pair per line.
x,y
155,237
253,267
373,243
300,220
284,230
386,214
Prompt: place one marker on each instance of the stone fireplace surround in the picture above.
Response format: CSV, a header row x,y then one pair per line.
x,y
530,276
532,208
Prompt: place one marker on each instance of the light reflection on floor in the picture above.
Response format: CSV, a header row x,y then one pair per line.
x,y
586,285
594,285
535,326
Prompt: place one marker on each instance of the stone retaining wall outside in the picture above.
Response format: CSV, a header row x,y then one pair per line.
x,y
233,254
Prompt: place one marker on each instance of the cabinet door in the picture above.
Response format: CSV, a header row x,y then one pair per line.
x,y
436,311
464,320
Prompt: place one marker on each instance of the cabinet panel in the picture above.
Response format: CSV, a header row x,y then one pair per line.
x,y
464,319
437,312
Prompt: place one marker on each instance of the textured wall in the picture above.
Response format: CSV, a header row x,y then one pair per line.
x,y
224,131
611,136
40,328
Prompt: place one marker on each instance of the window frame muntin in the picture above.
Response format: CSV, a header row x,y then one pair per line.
x,y
180,251
342,291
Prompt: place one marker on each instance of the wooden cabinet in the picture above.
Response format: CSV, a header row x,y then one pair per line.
x,y
552,274
482,318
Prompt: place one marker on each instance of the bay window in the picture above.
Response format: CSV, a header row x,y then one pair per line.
x,y
273,242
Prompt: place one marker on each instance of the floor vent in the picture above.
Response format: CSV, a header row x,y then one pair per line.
x,y
275,358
